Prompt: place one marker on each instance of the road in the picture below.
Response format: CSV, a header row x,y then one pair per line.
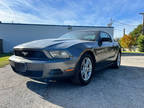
x,y
110,88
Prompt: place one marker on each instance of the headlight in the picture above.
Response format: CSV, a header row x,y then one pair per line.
x,y
59,54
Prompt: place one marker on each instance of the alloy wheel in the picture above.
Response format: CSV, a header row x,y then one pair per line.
x,y
86,68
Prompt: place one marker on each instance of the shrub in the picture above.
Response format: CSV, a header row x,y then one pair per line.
x,y
141,43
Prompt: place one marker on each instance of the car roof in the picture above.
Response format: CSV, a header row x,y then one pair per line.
x,y
90,30
87,30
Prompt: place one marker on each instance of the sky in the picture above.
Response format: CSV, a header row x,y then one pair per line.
x,y
124,13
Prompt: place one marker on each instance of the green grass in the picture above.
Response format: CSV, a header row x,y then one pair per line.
x,y
4,59
131,52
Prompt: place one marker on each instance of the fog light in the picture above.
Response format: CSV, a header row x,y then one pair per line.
x,y
69,70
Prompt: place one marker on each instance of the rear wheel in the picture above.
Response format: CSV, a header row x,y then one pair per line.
x,y
84,70
117,62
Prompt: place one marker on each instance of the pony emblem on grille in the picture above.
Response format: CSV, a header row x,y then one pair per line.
x,y
25,53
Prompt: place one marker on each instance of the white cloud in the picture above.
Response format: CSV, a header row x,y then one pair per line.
x,y
72,13
45,13
71,22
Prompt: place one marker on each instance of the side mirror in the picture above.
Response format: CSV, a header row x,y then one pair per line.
x,y
100,42
105,39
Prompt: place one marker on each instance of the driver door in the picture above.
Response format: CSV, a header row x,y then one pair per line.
x,y
107,46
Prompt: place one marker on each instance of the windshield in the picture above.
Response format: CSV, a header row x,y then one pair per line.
x,y
82,35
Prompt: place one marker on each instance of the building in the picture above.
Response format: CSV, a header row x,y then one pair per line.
x,y
13,34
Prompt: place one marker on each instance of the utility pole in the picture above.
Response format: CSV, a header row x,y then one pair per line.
x,y
143,23
110,24
124,32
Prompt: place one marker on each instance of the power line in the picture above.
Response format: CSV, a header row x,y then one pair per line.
x,y
123,23
118,23
122,26
118,29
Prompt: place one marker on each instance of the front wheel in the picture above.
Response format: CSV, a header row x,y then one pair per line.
x,y
84,70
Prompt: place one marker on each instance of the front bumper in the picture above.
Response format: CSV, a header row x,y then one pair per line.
x,y
43,69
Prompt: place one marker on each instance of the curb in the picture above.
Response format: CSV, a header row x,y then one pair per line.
x,y
132,54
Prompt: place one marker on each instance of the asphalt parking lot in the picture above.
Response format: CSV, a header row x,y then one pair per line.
x,y
110,88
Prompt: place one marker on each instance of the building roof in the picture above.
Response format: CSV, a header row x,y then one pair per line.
x,y
55,25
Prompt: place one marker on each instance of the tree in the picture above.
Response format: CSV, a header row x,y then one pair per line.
x,y
137,31
127,41
141,43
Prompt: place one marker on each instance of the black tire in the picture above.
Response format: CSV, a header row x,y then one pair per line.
x,y
78,76
115,63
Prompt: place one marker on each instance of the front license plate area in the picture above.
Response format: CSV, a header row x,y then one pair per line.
x,y
20,67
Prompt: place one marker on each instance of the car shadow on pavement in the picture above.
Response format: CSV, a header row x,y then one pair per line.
x,y
110,87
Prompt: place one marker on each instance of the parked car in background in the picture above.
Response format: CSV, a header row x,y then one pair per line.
x,y
74,55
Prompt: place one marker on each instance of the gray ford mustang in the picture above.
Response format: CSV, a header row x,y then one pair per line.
x,y
74,55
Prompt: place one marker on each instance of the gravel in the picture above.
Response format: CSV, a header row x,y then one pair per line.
x,y
110,88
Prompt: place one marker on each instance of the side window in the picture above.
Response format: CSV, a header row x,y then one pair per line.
x,y
109,37
105,37
89,36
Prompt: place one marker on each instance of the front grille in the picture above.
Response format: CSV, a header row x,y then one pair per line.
x,y
30,54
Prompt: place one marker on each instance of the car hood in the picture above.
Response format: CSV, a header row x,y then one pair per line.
x,y
49,44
